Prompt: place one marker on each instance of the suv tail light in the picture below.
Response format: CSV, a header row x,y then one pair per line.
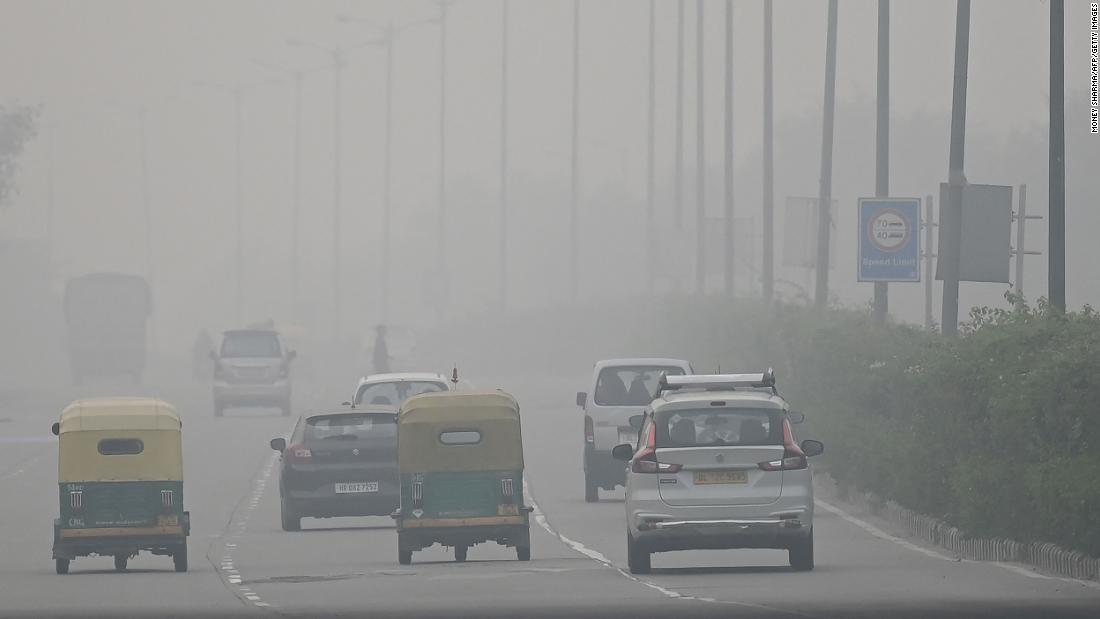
x,y
793,458
299,454
645,461
589,433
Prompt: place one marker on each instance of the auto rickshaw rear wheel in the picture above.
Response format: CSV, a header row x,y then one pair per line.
x,y
120,562
460,553
404,557
61,566
591,491
179,558
523,553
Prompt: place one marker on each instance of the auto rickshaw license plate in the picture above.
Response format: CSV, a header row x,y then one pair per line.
x,y
356,487
168,520
721,477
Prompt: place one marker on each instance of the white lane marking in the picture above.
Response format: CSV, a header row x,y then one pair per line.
x,y
879,533
597,556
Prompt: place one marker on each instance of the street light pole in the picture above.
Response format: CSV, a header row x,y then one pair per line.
x,y
651,120
574,244
821,289
700,159
951,217
1056,173
679,180
296,196
768,267
502,257
441,219
882,139
238,225
387,173
337,188
728,161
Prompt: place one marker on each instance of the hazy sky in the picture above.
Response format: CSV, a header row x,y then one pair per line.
x,y
92,64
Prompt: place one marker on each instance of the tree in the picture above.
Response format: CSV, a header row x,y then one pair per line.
x,y
16,129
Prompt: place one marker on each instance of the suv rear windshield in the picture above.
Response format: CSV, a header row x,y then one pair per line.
x,y
251,344
630,385
722,426
394,393
351,426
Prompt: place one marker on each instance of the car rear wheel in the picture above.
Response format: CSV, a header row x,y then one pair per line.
x,y
61,566
120,562
523,553
460,553
637,557
591,490
801,555
291,521
179,558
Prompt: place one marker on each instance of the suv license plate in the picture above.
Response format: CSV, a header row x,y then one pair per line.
x,y
721,477
357,487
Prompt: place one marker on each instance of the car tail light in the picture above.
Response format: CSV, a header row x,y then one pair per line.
x,y
645,461
793,458
76,499
299,454
507,489
589,433
167,499
418,493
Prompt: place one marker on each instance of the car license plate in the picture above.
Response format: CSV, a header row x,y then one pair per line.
x,y
721,477
357,487
628,437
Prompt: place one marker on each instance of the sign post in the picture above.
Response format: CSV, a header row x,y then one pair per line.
x,y
889,240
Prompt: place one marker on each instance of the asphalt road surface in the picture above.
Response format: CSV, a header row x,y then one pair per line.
x,y
243,564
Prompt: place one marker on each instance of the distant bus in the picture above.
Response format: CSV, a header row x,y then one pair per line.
x,y
105,316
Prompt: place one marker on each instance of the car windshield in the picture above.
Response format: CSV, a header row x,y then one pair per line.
x,y
351,426
395,392
713,427
633,385
254,344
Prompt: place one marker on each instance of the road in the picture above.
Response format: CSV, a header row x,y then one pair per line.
x,y
243,564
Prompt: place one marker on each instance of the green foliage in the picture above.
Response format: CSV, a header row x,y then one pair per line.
x,y
16,129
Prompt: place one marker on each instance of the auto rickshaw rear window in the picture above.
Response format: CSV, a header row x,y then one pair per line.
x,y
121,446
460,437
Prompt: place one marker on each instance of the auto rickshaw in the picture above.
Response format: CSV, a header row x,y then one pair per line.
x,y
460,455
120,482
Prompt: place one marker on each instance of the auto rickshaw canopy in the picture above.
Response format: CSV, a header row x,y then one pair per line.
x,y
425,421
119,439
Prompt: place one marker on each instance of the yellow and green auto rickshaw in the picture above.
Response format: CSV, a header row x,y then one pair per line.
x,y
120,482
460,455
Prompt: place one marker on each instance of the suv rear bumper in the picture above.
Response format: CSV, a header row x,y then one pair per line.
x,y
662,535
274,394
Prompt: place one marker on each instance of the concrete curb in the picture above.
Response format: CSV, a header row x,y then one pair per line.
x,y
1049,557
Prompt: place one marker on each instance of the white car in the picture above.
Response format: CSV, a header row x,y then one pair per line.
x,y
716,466
394,388
620,388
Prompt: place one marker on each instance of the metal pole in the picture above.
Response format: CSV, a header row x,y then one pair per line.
x,y
148,210
51,245
700,158
574,245
882,139
441,220
337,155
1056,279
1021,226
768,268
929,275
651,226
296,196
821,288
387,168
728,163
238,296
951,218
503,236
679,180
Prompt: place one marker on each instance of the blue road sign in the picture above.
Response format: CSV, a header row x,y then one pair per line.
x,y
889,239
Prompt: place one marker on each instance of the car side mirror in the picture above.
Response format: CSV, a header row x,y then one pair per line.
x,y
796,417
55,428
278,444
291,355
623,452
812,448
582,398
636,421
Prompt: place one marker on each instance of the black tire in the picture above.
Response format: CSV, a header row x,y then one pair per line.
x,y
460,553
404,557
801,555
591,491
120,562
61,566
179,558
523,553
291,521
637,557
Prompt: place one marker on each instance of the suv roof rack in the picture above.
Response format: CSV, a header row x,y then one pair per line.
x,y
718,382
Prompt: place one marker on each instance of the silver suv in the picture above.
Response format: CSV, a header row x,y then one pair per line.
x,y
716,466
252,369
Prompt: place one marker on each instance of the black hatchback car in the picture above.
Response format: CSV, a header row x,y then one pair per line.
x,y
339,464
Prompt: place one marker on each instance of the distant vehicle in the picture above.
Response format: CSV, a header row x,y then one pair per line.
x,y
393,389
252,368
717,466
339,464
460,456
105,317
620,388
120,478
